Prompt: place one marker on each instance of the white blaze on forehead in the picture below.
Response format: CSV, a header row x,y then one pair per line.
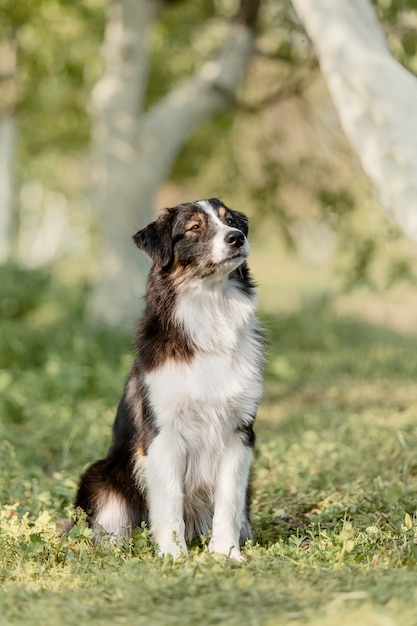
x,y
220,250
208,208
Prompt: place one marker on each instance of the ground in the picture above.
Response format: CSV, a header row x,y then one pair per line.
x,y
334,475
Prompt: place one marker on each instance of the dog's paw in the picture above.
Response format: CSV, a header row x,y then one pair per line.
x,y
172,548
176,554
226,549
236,555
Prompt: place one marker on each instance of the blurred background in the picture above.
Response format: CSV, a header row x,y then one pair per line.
x,y
86,85
111,110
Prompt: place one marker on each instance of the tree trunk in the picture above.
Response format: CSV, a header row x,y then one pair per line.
x,y
134,151
7,143
117,100
375,96
8,64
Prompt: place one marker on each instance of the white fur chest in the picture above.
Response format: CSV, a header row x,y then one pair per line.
x,y
222,385
203,390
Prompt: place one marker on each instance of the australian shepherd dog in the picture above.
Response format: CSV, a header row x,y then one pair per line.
x,y
183,437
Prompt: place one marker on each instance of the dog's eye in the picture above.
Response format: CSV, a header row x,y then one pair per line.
x,y
195,227
230,222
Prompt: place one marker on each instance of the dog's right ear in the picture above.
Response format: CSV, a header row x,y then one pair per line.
x,y
156,240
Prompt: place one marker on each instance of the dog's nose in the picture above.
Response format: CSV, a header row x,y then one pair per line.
x,y
235,238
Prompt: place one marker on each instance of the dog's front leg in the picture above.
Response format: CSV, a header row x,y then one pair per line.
x,y
165,467
229,499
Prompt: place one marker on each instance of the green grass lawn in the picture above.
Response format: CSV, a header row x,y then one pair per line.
x,y
334,477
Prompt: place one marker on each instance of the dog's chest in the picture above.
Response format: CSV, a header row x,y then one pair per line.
x,y
221,384
204,390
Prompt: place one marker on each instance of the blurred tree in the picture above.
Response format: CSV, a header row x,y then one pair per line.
x,y
202,131
139,132
134,147
7,139
49,63
375,96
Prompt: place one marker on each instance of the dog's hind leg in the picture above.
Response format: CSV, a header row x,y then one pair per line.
x,y
246,533
111,499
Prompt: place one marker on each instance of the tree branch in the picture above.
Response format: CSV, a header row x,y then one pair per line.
x,y
375,98
247,13
174,117
286,58
284,91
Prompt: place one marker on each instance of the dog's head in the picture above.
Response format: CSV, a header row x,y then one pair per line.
x,y
203,237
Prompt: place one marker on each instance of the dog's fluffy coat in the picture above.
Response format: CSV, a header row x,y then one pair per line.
x,y
182,439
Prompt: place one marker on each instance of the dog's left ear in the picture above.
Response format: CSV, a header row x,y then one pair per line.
x,y
156,240
242,222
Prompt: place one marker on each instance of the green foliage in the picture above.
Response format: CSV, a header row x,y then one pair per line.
x,y
176,36
334,478
399,18
21,290
48,372
58,64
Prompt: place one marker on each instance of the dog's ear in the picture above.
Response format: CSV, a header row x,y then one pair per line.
x,y
156,240
242,222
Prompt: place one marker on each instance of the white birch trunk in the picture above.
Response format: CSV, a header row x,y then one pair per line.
x,y
375,96
135,152
117,100
8,63
7,143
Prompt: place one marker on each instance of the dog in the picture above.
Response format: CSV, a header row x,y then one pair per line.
x,y
183,437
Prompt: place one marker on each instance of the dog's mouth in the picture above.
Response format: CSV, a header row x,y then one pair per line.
x,y
234,257
230,263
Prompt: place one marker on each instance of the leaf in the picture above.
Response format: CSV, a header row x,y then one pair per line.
x,y
408,521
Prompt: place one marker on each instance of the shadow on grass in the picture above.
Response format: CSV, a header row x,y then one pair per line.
x,y
314,345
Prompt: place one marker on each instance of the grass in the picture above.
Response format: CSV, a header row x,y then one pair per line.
x,y
335,477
